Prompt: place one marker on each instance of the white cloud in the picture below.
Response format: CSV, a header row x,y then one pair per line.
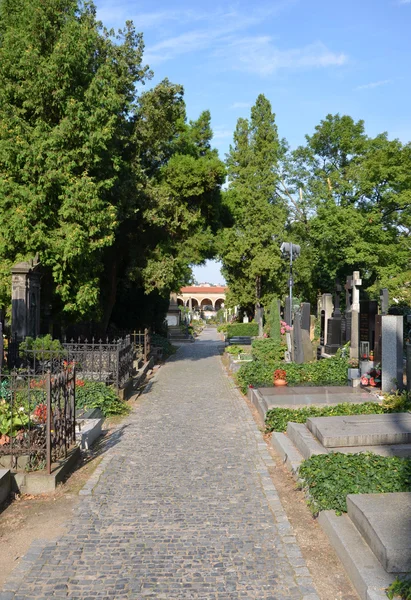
x,y
404,2
259,55
241,105
374,84
219,133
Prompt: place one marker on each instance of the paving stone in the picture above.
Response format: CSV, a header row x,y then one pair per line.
x,y
181,507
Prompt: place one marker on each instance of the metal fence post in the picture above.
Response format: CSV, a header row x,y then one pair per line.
x,y
48,422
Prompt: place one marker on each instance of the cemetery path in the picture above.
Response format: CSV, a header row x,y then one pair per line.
x,y
181,507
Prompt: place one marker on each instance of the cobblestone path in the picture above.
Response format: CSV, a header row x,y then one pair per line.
x,y
182,506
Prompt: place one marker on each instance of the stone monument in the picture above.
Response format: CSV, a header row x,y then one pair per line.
x,y
173,316
25,300
333,340
392,352
355,315
325,310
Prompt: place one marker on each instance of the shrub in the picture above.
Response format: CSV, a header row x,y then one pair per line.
x,y
398,402
276,419
328,371
162,342
400,588
222,328
234,349
268,350
329,478
242,329
275,321
45,347
95,394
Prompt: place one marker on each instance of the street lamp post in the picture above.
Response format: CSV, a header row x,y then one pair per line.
x,y
292,250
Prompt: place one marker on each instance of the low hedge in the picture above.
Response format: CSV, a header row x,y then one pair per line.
x,y
329,478
277,418
242,329
328,371
268,350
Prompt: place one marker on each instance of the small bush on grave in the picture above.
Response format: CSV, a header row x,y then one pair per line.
x,y
234,350
162,342
95,394
242,329
329,478
43,347
268,350
397,402
277,418
400,588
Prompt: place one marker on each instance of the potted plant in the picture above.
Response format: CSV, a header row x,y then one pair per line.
x,y
279,377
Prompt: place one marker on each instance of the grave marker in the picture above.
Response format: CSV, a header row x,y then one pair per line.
x,y
392,352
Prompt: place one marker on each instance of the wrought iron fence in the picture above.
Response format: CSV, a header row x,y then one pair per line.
x,y
37,418
111,363
141,341
108,362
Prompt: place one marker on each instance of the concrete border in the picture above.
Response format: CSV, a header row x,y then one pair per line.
x,y
363,569
41,483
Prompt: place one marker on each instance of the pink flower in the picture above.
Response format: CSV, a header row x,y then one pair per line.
x,y
282,330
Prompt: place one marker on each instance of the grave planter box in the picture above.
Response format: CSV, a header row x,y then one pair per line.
x,y
353,374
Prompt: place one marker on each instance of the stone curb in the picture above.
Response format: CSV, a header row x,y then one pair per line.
x,y
364,570
292,549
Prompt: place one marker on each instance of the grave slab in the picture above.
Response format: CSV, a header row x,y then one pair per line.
x,y
305,396
361,430
389,538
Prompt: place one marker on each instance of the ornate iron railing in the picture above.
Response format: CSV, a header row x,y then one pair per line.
x,y
37,418
108,362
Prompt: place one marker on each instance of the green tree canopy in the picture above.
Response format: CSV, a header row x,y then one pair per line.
x,y
355,207
250,247
111,188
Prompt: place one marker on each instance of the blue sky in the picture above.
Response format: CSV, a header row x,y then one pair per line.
x,y
309,58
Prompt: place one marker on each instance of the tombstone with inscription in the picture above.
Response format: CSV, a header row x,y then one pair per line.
x,y
326,310
25,300
334,324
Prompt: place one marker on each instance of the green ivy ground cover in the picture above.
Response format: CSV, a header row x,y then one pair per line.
x,y
242,329
95,394
277,418
329,478
329,371
268,350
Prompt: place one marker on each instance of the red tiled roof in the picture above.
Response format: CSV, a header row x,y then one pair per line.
x,y
195,289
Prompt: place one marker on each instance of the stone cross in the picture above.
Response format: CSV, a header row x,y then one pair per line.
x,y
356,284
348,288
